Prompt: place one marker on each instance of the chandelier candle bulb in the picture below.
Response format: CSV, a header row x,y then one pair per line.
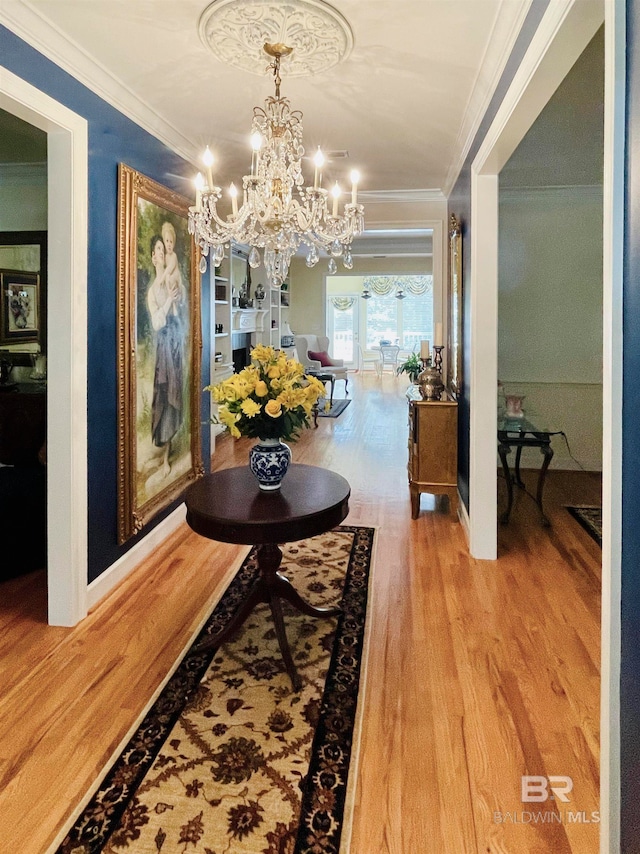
x,y
319,162
336,195
233,192
355,177
207,159
199,182
256,144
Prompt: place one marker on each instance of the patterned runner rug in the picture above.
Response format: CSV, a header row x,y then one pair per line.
x,y
229,759
591,520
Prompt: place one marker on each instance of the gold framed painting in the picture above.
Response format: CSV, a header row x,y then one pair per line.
x,y
454,361
159,351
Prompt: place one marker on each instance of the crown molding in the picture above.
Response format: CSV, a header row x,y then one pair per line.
x,y
402,196
19,17
530,194
508,22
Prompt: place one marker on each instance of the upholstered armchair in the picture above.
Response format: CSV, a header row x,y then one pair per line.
x,y
313,354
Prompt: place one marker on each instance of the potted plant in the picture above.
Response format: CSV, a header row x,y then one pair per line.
x,y
412,366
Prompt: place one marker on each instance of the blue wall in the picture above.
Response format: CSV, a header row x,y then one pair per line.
x,y
630,616
113,139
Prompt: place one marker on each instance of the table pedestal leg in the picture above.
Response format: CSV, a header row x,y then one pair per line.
x,y
547,451
503,450
270,587
519,480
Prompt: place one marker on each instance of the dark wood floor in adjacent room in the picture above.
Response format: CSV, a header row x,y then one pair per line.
x,y
479,672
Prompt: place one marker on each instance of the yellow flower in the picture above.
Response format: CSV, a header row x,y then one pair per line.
x,y
250,407
270,375
229,420
315,389
292,397
273,408
240,387
261,353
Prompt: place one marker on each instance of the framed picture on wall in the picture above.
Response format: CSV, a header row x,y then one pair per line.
x,y
23,289
454,362
20,315
159,351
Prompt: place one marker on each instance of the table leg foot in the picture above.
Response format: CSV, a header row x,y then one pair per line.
x,y
270,587
257,595
286,590
415,502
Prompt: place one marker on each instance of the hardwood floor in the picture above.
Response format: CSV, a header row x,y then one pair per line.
x,y
479,672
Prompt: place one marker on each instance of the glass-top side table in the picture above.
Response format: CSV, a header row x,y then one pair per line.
x,y
521,433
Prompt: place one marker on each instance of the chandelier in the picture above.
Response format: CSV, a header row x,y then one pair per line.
x,y
278,213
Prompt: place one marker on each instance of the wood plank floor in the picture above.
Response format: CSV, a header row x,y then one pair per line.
x,y
479,672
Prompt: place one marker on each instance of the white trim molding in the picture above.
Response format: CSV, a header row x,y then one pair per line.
x,y
612,309
68,155
35,30
508,22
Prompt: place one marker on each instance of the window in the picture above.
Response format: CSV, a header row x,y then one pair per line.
x,y
402,321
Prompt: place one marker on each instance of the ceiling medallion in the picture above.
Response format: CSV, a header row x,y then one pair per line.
x,y
236,31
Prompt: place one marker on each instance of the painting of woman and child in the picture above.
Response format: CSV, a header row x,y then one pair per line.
x,y
159,404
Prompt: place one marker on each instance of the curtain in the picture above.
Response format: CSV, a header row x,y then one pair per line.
x,y
383,285
342,303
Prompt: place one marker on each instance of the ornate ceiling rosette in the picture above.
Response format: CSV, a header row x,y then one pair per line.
x,y
236,32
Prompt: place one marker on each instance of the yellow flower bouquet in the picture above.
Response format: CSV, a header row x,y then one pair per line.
x,y
271,398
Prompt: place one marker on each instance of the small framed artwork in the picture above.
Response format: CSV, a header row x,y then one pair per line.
x,y
159,351
454,362
20,318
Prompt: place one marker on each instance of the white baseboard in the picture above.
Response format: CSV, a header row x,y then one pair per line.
x,y
118,571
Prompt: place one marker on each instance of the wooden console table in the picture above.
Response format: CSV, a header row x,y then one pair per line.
x,y
433,448
229,506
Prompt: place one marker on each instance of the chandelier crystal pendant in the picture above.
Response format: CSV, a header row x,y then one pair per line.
x,y
278,212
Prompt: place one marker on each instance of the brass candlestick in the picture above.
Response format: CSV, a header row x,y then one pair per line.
x,y
437,358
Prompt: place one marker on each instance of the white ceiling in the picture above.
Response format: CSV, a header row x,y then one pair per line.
x,y
404,104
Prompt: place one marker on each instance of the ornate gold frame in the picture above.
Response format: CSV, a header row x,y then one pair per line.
x,y
454,361
143,206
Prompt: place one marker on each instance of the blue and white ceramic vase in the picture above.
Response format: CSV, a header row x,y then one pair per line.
x,y
269,460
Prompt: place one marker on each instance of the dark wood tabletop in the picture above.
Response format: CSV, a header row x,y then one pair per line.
x,y
229,506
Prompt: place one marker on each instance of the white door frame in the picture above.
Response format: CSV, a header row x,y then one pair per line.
x,y
67,146
564,32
